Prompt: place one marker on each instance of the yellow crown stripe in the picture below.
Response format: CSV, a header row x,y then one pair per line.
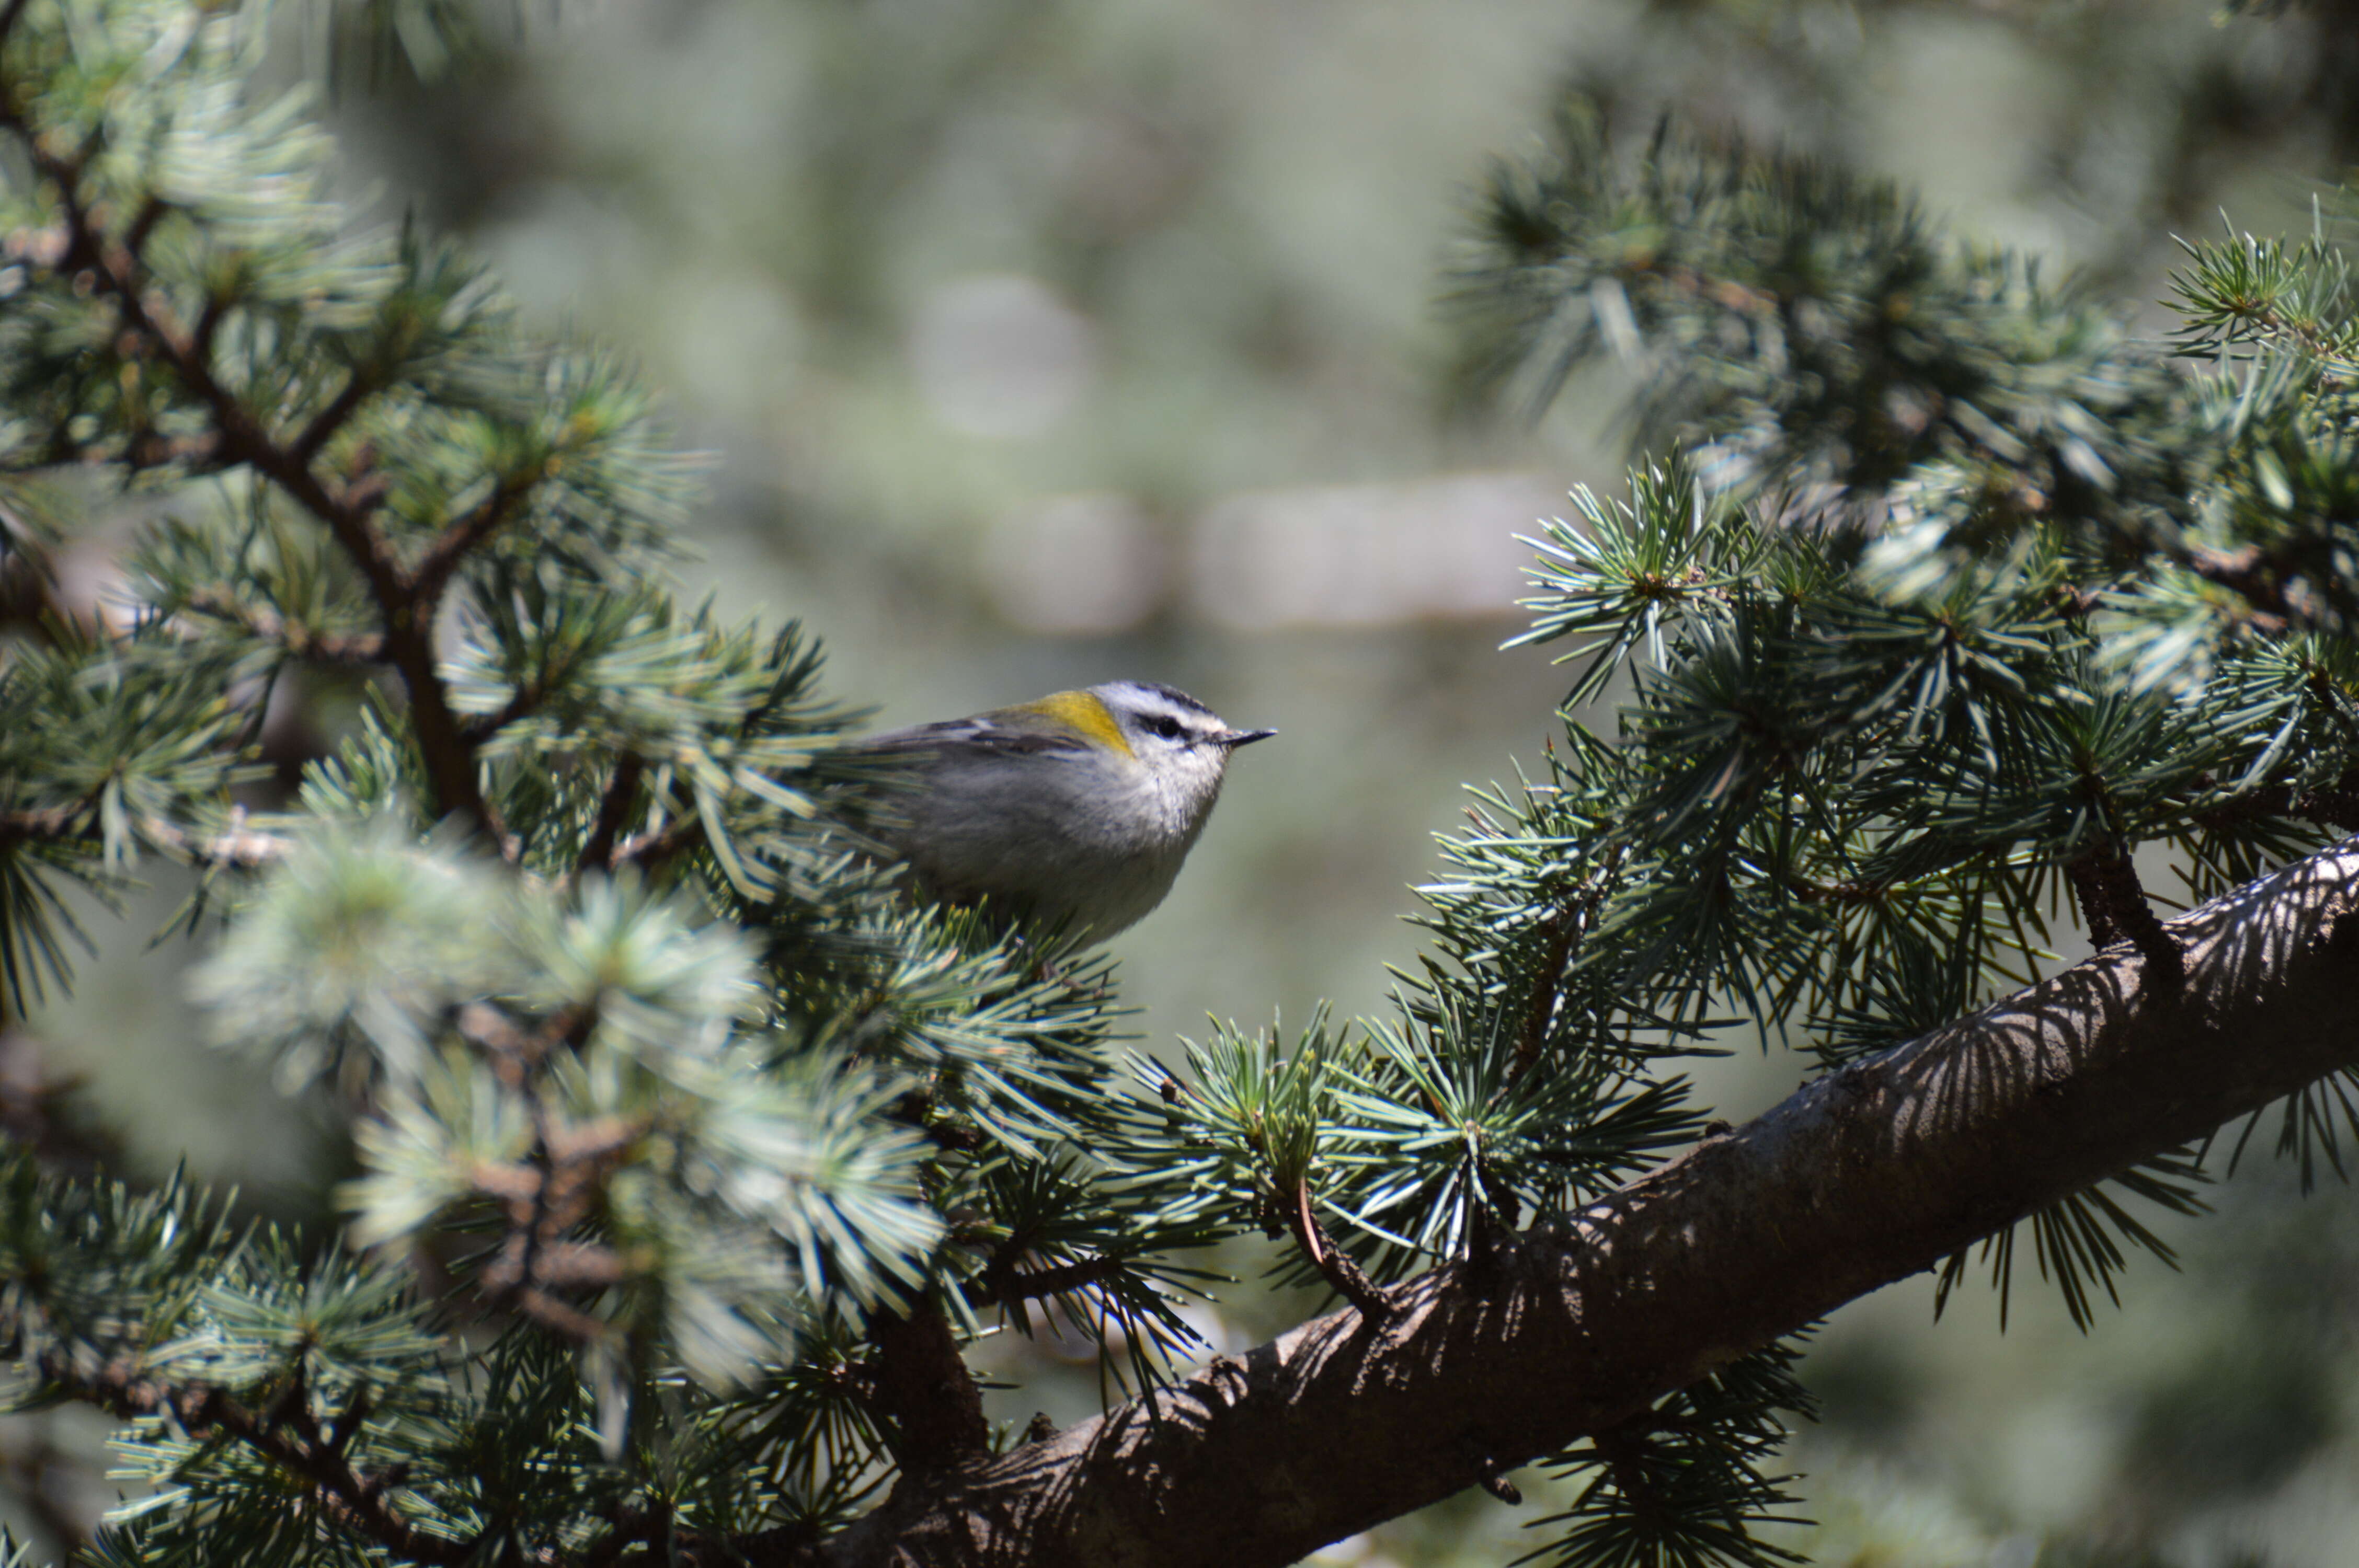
x,y
1081,710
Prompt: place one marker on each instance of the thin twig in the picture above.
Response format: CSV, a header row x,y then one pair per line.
x,y
2332,806
298,640
236,845
151,212
654,848
1002,1284
329,420
483,725
1332,1262
1564,931
613,808
924,1390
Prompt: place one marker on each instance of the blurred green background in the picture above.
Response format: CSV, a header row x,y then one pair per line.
x,y
1036,342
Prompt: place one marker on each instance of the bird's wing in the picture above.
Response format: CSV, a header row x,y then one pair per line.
x,y
1010,732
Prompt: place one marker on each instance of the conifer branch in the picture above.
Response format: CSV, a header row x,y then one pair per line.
x,y
658,847
47,824
349,1499
1003,1284
646,1526
2115,905
118,270
2264,584
357,389
348,648
2336,806
482,728
1861,1178
1561,935
238,845
2096,907
550,1194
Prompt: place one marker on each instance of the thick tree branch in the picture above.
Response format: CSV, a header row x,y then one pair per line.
x,y
1869,1175
924,1389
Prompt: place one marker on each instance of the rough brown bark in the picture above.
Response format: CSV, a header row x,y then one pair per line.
x,y
1864,1177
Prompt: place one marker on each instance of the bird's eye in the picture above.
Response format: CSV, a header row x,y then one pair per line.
x,y
1163,724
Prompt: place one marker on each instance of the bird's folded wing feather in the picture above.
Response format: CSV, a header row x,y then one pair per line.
x,y
983,733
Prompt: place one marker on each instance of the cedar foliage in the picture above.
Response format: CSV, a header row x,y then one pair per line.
x,y
691,1154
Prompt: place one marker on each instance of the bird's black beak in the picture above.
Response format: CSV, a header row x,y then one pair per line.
x,y
1233,739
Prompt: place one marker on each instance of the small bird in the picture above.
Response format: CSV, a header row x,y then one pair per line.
x,y
1072,813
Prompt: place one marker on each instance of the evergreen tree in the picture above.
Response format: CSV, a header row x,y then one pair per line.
x,y
1948,616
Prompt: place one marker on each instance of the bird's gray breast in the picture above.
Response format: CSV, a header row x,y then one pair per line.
x,y
1047,835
